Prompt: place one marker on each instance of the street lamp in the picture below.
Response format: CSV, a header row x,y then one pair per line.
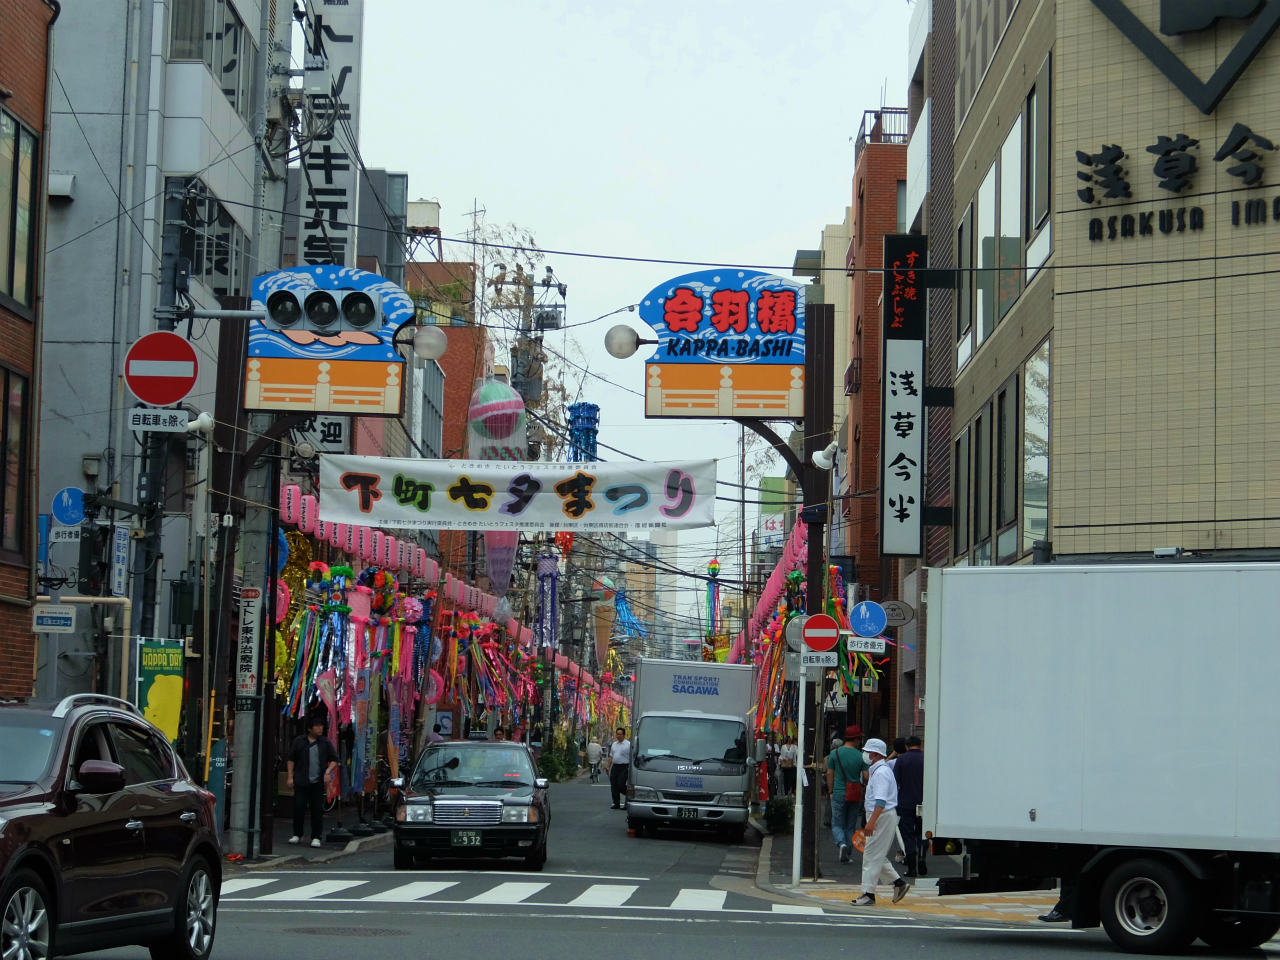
x,y
622,342
825,458
428,341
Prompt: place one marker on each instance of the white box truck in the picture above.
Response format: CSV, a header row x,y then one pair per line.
x,y
692,750
1113,726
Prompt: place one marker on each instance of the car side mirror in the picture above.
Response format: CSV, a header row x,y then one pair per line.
x,y
100,776
541,783
761,748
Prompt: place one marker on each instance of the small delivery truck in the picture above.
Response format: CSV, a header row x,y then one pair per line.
x,y
693,754
1114,727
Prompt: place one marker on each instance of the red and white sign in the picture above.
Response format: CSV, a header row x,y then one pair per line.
x,y
160,368
821,632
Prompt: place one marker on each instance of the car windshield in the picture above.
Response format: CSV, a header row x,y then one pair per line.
x,y
491,765
27,741
691,739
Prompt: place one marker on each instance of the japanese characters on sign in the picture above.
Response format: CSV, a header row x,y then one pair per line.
x,y
249,644
159,421
1104,177
730,343
902,399
330,172
516,495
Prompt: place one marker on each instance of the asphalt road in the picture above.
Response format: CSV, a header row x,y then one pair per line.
x,y
602,893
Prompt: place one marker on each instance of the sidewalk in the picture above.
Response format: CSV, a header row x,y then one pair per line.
x,y
285,854
840,883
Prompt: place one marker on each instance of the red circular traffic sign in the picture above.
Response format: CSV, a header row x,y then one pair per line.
x,y
821,632
160,368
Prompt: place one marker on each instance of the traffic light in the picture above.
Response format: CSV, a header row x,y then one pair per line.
x,y
324,311
94,558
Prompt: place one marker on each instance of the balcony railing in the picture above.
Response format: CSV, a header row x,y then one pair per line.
x,y
886,125
853,377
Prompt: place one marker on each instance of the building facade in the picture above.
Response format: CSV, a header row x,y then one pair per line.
x,y
25,44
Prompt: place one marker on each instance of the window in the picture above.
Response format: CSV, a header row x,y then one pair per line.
x,y
1007,471
15,462
982,477
18,182
902,206
1010,251
1035,447
144,759
212,31
984,233
1039,147
961,498
964,290
214,243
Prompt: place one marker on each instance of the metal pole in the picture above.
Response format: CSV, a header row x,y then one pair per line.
x,y
798,820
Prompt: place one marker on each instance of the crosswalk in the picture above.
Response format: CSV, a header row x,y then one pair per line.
x,y
495,891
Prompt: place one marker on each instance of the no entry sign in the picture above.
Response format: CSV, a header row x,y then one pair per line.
x,y
161,368
821,632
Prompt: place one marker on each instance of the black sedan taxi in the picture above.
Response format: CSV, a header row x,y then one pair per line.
x,y
472,799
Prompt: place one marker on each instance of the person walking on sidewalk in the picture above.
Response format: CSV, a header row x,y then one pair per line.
x,y
311,758
908,773
844,783
619,765
788,753
882,821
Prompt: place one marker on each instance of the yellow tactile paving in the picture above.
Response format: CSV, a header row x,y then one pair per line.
x,y
1005,907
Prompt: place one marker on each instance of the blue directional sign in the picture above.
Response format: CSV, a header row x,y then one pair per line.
x,y
868,619
68,506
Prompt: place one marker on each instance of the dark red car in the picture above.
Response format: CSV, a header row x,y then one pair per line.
x,y
105,840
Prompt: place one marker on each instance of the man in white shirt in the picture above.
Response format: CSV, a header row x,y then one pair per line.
x,y
619,765
881,805
787,757
594,750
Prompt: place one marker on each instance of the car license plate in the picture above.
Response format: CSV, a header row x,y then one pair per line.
x,y
686,813
465,838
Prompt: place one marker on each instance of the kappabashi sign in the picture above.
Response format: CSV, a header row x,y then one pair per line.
x,y
902,397
730,344
516,495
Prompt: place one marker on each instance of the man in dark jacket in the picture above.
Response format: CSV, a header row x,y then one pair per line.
x,y
311,758
908,770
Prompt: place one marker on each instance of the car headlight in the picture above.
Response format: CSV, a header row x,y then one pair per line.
x,y
731,799
514,814
643,793
414,813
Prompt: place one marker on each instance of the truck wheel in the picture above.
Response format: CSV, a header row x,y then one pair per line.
x,y
1149,907
1238,933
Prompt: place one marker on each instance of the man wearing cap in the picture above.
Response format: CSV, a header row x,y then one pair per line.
x,y
881,805
844,783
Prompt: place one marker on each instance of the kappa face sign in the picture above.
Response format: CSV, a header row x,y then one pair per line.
x,y
1183,17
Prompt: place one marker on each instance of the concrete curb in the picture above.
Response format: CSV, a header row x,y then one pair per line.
x,y
378,841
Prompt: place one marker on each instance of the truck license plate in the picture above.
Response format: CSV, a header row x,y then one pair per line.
x,y
465,838
687,813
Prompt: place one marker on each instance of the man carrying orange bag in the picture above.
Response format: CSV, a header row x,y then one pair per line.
x,y
881,806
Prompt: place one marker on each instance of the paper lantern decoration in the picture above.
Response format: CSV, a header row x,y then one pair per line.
x,y
495,417
347,538
364,543
420,564
308,513
433,570
290,503
388,554
335,535
378,538
322,529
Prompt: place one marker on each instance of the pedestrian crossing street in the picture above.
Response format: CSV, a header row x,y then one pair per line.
x,y
494,890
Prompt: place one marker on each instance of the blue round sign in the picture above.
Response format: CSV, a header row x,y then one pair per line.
x,y
868,619
68,506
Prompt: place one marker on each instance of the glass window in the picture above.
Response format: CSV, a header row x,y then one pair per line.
x,y
1039,146
1006,456
902,206
1010,252
140,755
689,740
961,499
984,232
15,463
18,203
8,170
964,290
1035,447
982,477
186,29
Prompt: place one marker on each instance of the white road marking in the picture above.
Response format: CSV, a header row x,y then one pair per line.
x,y
604,895
312,890
798,910
238,884
689,899
408,892
508,893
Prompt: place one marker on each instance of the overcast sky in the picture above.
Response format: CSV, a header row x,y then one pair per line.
x,y
703,130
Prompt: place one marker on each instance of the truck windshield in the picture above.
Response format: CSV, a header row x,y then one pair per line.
x,y
691,739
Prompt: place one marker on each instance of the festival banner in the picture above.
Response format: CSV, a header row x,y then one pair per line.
x,y
516,495
159,683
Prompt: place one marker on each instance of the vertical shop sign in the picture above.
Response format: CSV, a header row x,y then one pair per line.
x,y
902,397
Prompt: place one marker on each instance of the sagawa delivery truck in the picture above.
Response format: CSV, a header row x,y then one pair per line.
x,y
692,748
1113,726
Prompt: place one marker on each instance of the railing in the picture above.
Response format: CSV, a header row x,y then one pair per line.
x,y
886,125
853,377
